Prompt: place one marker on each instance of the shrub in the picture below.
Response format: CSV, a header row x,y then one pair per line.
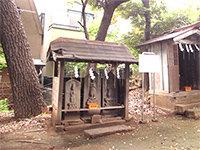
x,y
4,105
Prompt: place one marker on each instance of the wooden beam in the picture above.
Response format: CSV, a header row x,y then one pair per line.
x,y
86,109
56,69
186,34
61,80
126,98
199,69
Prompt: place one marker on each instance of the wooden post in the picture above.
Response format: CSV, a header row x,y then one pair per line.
x,y
199,70
143,96
56,69
126,98
154,95
61,80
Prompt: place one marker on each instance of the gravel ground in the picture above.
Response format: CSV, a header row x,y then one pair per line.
x,y
170,132
9,124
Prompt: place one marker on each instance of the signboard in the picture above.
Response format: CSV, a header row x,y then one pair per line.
x,y
149,63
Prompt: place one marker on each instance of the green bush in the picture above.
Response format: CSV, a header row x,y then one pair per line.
x,y
4,105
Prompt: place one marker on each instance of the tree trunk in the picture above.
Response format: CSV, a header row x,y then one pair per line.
x,y
147,37
109,8
148,19
84,25
27,95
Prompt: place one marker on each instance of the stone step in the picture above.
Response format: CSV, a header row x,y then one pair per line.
x,y
181,108
193,113
93,133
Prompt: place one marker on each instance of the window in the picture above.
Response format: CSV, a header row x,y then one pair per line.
x,y
69,18
42,18
75,16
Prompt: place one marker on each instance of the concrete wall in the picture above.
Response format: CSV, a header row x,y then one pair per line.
x,y
31,25
54,30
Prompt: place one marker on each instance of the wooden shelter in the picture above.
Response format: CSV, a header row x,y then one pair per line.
x,y
178,83
95,96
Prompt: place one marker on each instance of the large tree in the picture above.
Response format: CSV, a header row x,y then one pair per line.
x,y
147,37
27,95
109,7
147,19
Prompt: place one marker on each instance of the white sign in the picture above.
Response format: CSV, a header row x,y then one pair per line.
x,y
149,63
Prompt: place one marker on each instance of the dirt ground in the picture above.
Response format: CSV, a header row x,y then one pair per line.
x,y
170,132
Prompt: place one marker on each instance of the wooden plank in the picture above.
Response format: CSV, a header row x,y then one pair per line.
x,y
198,62
85,109
56,69
61,80
173,67
126,99
186,34
55,100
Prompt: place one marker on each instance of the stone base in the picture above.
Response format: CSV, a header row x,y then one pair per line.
x,y
59,128
182,108
96,119
107,130
177,102
193,113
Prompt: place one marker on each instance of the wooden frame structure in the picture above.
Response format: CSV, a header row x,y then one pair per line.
x,y
64,50
180,68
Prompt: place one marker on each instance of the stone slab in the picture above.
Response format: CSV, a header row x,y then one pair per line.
x,y
193,113
93,133
181,108
59,128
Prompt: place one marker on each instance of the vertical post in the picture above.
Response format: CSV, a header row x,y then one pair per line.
x,y
199,70
61,80
154,97
143,96
126,99
55,69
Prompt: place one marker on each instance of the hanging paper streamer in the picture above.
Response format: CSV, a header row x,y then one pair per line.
x,y
91,74
181,47
118,75
187,48
190,46
196,47
76,72
106,74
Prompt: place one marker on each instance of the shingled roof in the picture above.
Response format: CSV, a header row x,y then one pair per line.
x,y
89,51
177,35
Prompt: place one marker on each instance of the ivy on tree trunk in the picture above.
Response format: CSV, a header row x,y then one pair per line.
x,y
27,95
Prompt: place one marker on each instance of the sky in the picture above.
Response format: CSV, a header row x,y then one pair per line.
x,y
172,4
177,4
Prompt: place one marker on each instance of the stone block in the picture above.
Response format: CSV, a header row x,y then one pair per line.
x,y
59,128
107,130
96,119
193,113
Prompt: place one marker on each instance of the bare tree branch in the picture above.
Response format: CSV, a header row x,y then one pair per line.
x,y
84,19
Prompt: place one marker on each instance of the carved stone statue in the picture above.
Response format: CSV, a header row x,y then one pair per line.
x,y
92,90
92,93
72,99
72,94
110,91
